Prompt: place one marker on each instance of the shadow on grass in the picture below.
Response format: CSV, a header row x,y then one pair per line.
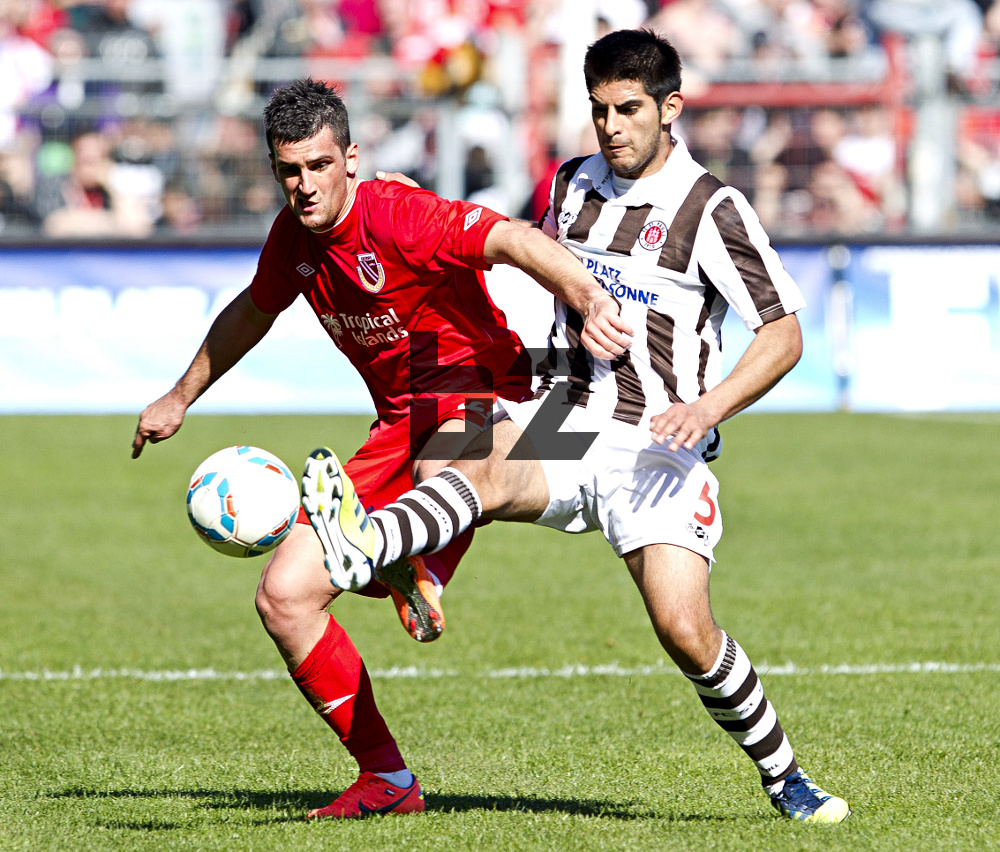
x,y
269,807
574,807
292,806
536,805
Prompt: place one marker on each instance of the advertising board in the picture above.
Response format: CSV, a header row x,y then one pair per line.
x,y
107,330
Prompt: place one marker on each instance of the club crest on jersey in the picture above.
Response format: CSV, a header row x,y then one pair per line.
x,y
653,235
370,272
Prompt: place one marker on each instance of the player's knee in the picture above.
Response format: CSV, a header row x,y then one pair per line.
x,y
692,643
279,604
480,448
265,604
425,468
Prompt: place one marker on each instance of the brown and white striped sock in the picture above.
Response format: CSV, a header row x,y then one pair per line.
x,y
734,697
426,518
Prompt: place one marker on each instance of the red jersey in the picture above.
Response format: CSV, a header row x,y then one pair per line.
x,y
399,287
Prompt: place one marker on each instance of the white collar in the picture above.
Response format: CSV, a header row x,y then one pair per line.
x,y
645,190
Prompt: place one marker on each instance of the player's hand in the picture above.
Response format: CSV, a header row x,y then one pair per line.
x,y
605,333
399,177
158,421
682,425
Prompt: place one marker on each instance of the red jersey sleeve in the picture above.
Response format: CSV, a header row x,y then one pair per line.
x,y
435,234
272,290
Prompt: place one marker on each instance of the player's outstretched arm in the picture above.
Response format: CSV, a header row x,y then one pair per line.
x,y
236,330
772,353
553,266
520,244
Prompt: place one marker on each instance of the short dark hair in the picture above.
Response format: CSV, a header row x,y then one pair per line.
x,y
302,109
634,55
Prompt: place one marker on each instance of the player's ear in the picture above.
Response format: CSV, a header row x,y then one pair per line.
x,y
274,169
352,159
673,104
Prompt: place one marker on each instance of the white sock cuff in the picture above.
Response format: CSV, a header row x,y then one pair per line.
x,y
713,672
464,488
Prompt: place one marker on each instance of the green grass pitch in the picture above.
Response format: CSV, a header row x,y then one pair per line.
x,y
142,705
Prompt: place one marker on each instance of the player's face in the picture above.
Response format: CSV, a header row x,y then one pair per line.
x,y
633,134
316,177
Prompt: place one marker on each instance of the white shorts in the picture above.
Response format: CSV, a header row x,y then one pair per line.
x,y
637,492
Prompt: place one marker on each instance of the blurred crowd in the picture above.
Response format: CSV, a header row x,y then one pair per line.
x,y
128,118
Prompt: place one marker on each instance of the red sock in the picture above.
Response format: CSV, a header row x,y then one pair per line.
x,y
333,678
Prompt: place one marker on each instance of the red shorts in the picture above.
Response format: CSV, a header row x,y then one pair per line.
x,y
382,469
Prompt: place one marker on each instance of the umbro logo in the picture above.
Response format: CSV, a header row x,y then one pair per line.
x,y
566,218
699,532
305,269
472,217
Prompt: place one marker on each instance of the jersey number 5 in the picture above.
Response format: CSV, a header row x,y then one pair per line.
x,y
709,516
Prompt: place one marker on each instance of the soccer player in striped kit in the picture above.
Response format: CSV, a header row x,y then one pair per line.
x,y
622,443
394,274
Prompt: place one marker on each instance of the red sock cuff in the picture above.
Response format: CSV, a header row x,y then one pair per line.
x,y
331,638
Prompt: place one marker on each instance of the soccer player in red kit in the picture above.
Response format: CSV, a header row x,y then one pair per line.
x,y
394,274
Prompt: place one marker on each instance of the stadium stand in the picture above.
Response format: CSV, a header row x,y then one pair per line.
x,y
140,119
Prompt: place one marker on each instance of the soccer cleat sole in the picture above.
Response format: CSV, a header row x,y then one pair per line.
x,y
322,500
834,810
416,601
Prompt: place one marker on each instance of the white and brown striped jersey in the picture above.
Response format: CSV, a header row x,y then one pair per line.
x,y
676,249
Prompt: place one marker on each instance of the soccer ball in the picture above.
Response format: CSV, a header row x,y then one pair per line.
x,y
243,501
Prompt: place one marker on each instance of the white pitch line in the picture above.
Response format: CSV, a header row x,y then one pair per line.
x,y
974,418
523,672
